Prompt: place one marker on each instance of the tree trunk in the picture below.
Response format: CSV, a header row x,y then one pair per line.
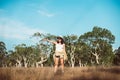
x,y
96,57
80,63
72,61
25,65
41,62
25,62
19,63
72,56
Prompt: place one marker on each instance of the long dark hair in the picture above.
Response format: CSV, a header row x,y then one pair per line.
x,y
62,41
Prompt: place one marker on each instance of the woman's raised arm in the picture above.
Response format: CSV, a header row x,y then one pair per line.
x,y
50,41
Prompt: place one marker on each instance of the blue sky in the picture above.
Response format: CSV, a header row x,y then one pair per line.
x,y
19,19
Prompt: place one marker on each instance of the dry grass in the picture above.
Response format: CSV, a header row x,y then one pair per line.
x,y
46,73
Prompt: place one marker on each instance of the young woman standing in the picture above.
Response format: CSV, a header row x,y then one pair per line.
x,y
60,53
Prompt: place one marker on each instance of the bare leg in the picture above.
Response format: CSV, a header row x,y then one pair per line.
x,y
56,64
62,64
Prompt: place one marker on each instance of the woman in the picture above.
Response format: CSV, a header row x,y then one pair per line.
x,y
60,53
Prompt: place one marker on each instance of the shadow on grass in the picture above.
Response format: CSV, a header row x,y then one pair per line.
x,y
115,70
5,75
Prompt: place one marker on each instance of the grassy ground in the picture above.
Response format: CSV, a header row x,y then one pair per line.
x,y
46,73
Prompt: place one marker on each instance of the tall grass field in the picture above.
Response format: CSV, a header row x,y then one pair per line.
x,y
46,73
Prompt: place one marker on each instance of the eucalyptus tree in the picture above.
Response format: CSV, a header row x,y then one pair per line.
x,y
45,49
23,55
82,57
3,53
100,42
11,59
70,41
116,60
50,49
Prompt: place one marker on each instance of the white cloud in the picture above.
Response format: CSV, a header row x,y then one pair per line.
x,y
45,13
16,30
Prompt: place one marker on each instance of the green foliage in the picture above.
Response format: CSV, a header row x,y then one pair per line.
x,y
99,41
116,60
3,53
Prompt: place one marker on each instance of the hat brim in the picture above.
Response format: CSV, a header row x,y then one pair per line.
x,y
58,37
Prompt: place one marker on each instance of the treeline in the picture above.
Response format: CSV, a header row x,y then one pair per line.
x,y
90,49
